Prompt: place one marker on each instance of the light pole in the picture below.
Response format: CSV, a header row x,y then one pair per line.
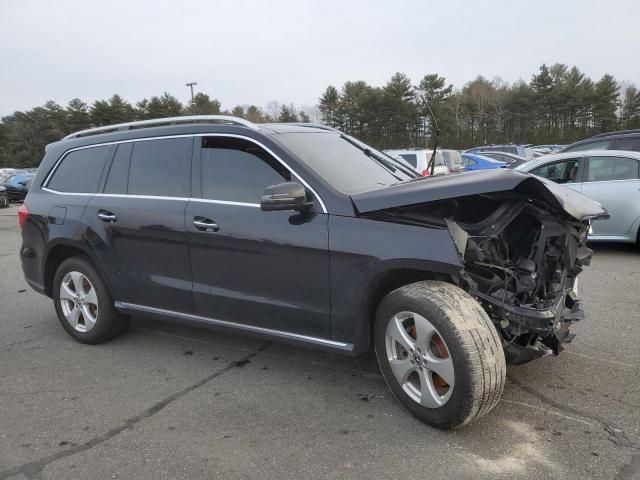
x,y
193,103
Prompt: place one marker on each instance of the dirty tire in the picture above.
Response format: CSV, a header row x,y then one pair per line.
x,y
473,343
109,322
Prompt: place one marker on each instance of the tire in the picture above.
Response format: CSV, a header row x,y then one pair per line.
x,y
4,202
460,342
83,304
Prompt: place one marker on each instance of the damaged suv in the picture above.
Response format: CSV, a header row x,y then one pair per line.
x,y
304,234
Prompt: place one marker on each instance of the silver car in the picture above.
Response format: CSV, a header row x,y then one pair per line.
x,y
612,177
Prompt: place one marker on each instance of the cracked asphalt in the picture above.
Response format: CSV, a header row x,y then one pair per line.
x,y
166,401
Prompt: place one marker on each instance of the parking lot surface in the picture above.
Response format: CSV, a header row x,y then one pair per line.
x,y
170,401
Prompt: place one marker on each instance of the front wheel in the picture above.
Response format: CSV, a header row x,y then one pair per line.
x,y
439,353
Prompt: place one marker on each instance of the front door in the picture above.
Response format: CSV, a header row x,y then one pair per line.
x,y
263,269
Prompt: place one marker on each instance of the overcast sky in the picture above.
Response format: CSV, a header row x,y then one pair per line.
x,y
252,51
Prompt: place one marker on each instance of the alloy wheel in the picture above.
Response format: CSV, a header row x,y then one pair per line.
x,y
419,359
79,301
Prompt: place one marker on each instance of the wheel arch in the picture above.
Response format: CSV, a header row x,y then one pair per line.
x,y
379,286
61,250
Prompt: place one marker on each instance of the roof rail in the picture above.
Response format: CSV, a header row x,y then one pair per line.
x,y
310,125
187,119
617,132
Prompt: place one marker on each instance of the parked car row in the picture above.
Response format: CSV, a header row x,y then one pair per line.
x,y
16,183
446,161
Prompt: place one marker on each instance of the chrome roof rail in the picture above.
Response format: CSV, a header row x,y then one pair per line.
x,y
187,119
310,125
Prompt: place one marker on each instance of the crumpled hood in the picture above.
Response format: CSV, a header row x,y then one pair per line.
x,y
431,189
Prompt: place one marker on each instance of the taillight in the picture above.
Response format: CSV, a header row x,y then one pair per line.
x,y
23,215
425,173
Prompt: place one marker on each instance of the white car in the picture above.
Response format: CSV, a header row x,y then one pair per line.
x,y
419,159
611,177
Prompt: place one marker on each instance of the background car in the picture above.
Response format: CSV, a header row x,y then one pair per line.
x,y
621,140
473,161
18,185
519,150
4,198
419,159
454,161
609,176
510,159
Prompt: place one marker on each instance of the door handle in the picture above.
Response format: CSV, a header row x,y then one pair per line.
x,y
106,216
205,224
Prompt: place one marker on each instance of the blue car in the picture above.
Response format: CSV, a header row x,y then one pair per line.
x,y
473,161
17,185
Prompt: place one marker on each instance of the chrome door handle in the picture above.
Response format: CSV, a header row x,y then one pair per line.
x,y
107,216
205,224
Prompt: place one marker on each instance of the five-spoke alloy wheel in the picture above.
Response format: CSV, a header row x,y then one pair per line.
x,y
419,359
439,352
79,301
83,303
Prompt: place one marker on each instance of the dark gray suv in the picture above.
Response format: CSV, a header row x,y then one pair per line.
x,y
304,234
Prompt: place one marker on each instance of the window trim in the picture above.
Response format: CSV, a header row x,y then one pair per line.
x,y
188,135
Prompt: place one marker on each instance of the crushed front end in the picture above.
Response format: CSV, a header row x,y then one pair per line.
x,y
521,251
521,263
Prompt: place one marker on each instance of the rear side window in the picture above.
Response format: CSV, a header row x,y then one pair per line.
x,y
238,170
601,145
80,171
632,143
157,167
611,168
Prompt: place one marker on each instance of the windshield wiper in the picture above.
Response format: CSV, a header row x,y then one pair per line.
x,y
387,165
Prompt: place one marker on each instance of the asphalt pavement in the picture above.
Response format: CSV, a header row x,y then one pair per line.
x,y
166,401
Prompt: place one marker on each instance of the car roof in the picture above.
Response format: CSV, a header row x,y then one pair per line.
x,y
482,157
583,153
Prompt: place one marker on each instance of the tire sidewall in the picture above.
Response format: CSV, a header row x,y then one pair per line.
x,y
459,404
105,304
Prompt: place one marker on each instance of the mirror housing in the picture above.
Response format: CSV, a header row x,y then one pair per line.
x,y
284,196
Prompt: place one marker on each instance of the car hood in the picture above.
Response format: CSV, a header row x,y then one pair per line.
x,y
432,189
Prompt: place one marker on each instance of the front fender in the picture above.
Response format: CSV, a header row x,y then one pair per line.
x,y
363,251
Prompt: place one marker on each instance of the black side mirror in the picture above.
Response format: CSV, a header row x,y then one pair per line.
x,y
284,196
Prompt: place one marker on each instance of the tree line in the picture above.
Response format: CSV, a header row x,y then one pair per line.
x,y
558,105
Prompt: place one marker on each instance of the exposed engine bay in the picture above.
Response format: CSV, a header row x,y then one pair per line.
x,y
520,258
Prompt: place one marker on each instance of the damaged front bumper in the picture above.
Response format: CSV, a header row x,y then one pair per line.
x,y
534,332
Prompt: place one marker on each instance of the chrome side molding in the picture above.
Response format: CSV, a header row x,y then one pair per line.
x,y
344,346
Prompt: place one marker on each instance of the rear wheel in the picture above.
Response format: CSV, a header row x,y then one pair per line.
x,y
439,353
83,304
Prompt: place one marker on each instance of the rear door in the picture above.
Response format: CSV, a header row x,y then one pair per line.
x,y
138,223
615,183
263,269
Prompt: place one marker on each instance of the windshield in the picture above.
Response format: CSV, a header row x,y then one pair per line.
x,y
347,164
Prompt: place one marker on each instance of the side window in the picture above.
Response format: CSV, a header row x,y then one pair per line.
x,y
559,172
157,167
611,168
118,176
80,171
632,143
238,170
469,162
411,158
601,145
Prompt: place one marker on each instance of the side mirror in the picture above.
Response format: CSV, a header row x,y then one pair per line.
x,y
284,196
